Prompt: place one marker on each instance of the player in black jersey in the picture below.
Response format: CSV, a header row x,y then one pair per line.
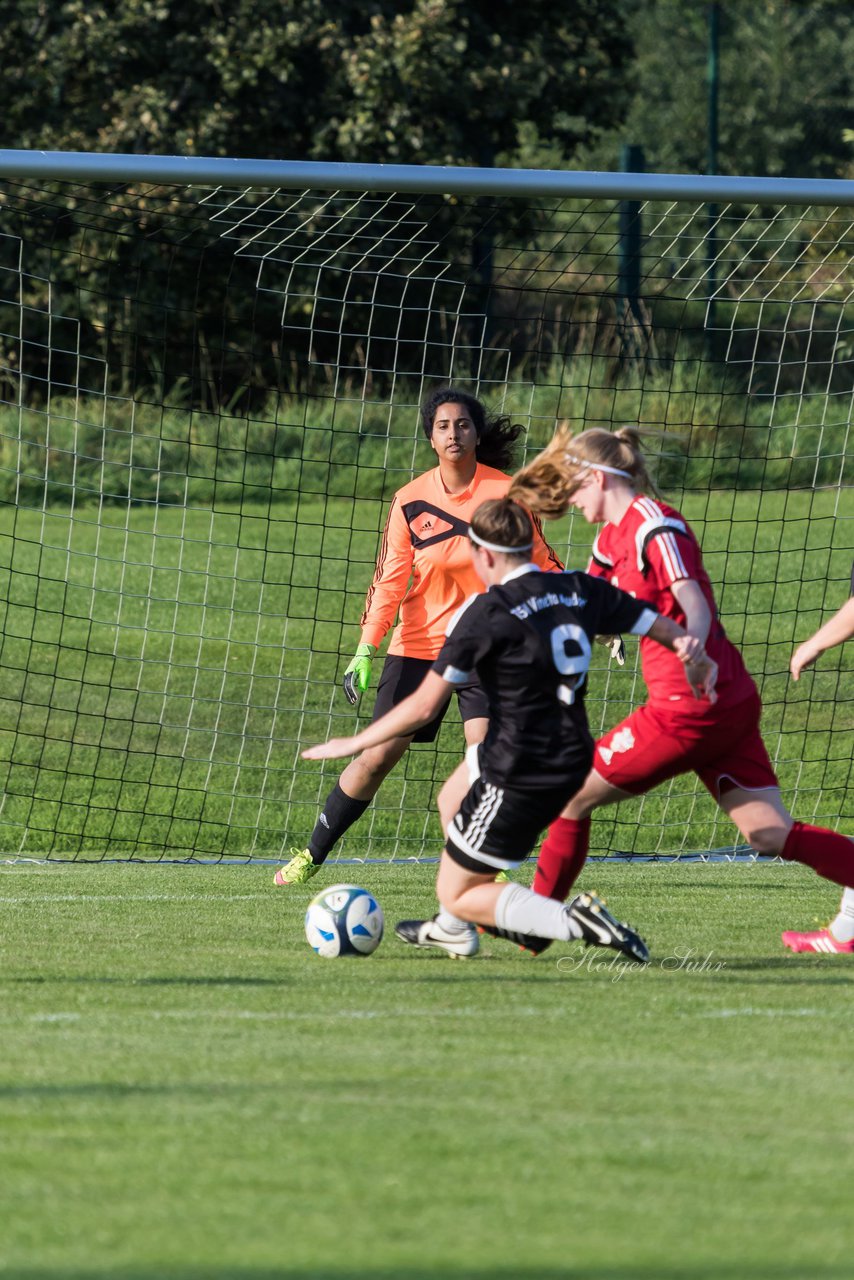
x,y
528,638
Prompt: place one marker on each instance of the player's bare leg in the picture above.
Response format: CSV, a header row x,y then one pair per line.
x,y
769,828
761,817
363,777
517,912
595,792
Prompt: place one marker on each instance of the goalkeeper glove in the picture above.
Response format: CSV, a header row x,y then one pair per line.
x,y
357,677
616,648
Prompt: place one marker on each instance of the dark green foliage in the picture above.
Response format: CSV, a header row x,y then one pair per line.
x,y
439,82
785,87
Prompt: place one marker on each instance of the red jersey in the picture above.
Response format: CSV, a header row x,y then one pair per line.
x,y
650,549
424,567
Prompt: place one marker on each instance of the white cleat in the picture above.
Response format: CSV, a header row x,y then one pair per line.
x,y
427,933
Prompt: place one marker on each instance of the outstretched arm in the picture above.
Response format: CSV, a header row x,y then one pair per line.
x,y
408,716
837,630
701,671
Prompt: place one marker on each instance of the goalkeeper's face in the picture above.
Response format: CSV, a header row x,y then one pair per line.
x,y
454,435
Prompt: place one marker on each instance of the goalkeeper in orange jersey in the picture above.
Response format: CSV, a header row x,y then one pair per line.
x,y
424,573
838,937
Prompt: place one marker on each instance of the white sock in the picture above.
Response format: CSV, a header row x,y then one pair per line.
x,y
520,910
842,927
451,923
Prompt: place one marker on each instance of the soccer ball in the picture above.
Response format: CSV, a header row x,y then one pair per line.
x,y
344,920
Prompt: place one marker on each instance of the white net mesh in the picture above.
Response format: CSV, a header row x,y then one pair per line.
x,y
209,397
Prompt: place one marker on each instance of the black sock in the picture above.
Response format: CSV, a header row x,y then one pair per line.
x,y
339,814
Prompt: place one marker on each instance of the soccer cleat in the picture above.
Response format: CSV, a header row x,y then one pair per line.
x,y
600,929
821,940
427,933
299,870
533,945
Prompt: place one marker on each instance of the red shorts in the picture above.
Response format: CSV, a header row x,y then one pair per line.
x,y
723,747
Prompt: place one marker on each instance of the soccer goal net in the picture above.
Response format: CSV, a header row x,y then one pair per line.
x,y
210,380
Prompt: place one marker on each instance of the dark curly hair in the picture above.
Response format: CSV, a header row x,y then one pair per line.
x,y
497,435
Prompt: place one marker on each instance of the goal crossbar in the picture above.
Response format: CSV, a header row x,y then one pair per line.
x,y
87,166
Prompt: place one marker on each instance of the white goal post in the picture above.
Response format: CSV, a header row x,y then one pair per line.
x,y
210,373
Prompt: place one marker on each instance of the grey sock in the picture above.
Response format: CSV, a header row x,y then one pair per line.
x,y
520,910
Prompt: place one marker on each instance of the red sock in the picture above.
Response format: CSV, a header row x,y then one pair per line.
x,y
562,856
827,852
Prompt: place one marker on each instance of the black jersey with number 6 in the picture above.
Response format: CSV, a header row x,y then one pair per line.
x,y
529,641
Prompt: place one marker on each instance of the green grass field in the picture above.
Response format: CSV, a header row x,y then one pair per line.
x,y
186,1091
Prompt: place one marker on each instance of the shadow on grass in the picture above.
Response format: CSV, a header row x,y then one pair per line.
x,y
683,1271
109,1090
591,966
788,970
45,980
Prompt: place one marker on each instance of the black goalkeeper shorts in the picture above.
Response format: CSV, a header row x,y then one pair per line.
x,y
402,676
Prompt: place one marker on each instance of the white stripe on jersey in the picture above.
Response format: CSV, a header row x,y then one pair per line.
x,y
597,554
644,623
655,520
455,617
454,675
673,563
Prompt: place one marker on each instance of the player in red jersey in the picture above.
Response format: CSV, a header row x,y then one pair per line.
x,y
838,937
647,548
424,573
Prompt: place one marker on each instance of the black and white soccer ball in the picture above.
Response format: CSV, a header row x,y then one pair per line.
x,y
344,920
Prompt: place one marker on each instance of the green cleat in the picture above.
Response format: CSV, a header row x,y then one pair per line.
x,y
299,870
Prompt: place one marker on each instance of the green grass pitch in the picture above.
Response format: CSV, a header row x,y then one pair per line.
x,y
186,1091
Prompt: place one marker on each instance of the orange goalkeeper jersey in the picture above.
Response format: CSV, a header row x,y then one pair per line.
x,y
424,568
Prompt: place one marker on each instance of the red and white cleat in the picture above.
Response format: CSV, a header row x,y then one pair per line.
x,y
821,940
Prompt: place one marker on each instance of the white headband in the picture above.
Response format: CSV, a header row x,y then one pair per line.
x,y
493,546
598,466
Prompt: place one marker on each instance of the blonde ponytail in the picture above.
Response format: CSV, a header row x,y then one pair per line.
x,y
546,484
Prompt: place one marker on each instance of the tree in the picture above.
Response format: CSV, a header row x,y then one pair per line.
x,y
426,81
785,87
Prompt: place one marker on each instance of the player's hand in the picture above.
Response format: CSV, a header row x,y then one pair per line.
x,y
804,656
701,671
357,677
702,677
616,648
334,749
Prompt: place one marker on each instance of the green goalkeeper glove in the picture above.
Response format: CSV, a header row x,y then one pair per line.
x,y
616,648
357,677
